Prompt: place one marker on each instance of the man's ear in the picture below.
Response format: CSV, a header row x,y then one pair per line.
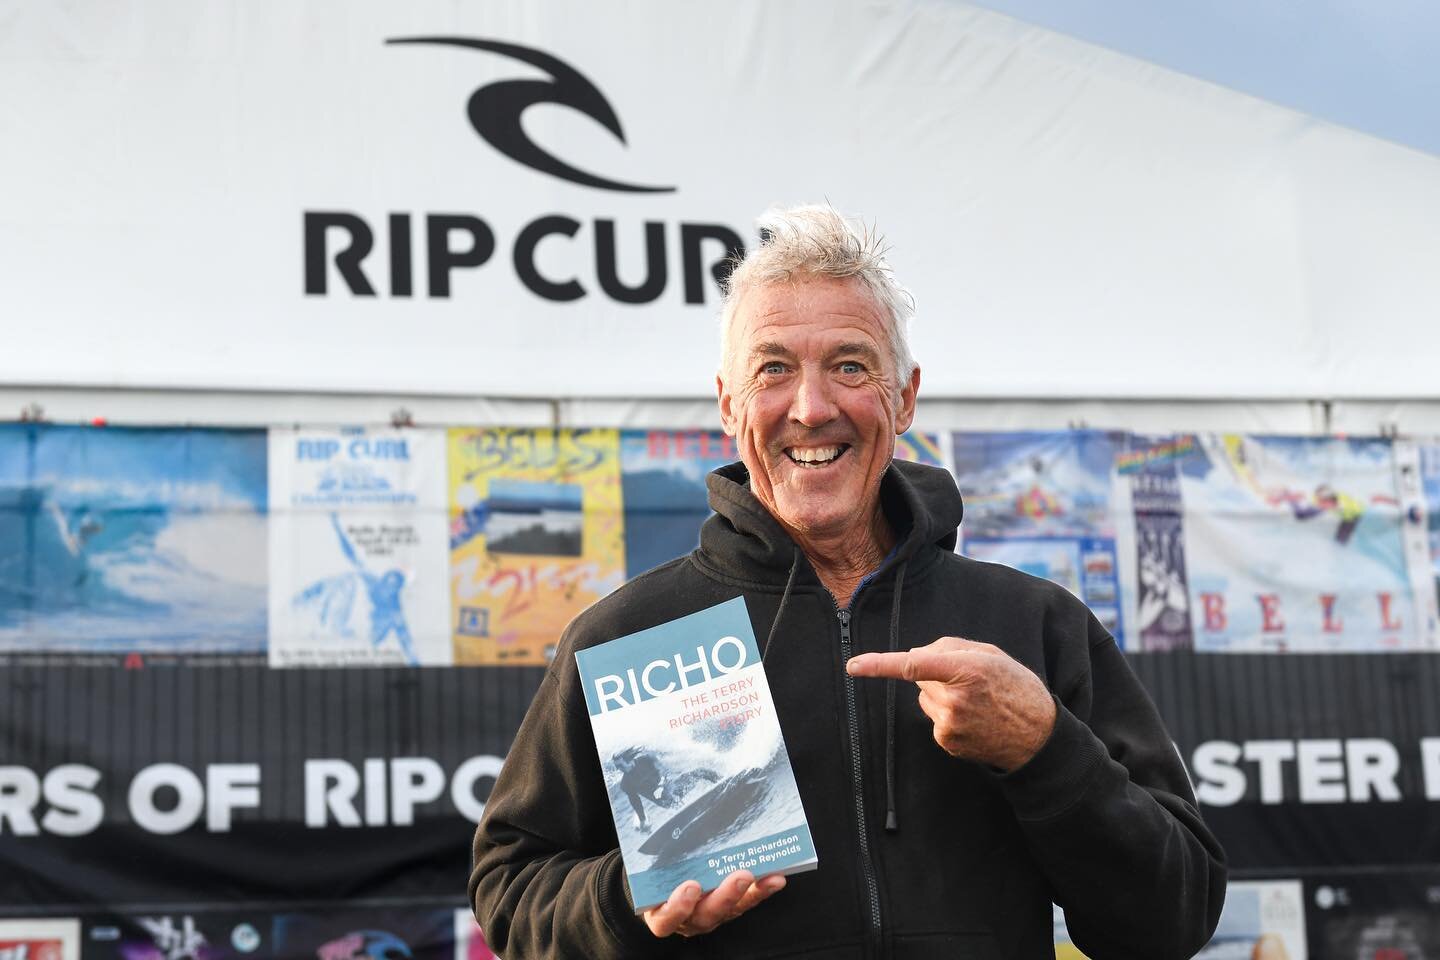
x,y
727,416
905,413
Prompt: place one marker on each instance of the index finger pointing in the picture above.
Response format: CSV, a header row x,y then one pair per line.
x,y
912,665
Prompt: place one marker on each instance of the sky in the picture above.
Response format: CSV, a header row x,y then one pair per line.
x,y
1371,65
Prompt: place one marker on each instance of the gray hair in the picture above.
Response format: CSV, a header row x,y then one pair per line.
x,y
818,241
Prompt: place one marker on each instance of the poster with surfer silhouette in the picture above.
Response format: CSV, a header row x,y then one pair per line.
x,y
699,781
358,566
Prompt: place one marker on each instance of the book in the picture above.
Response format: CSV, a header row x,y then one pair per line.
x,y
699,781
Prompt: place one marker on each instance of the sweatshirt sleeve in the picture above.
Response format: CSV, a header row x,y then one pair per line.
x,y
547,880
1109,814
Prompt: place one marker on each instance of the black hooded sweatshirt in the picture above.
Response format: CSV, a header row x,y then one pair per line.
x,y
920,854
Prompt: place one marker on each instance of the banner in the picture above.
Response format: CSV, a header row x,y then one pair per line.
x,y
662,474
358,570
119,540
1261,920
1041,502
366,934
163,935
36,939
1375,916
536,536
1428,455
395,193
147,735
1294,543
417,932
1151,534
920,448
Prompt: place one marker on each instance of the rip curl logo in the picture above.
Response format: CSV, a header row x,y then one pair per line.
x,y
495,110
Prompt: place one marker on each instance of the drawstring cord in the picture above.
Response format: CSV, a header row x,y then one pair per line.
x,y
892,819
784,599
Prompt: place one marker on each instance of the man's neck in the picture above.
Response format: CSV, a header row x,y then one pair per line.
x,y
843,561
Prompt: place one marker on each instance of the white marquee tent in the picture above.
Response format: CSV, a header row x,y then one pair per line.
x,y
1090,237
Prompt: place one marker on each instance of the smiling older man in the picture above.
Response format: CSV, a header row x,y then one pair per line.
x,y
1009,757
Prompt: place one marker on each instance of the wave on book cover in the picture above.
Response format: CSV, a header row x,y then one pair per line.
x,y
712,811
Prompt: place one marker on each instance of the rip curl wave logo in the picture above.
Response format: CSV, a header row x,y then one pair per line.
x,y
495,109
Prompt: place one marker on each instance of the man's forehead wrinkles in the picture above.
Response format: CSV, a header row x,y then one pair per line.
x,y
788,314
855,329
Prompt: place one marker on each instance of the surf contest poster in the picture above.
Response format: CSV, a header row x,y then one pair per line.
x,y
358,572
536,535
1042,502
40,939
662,473
1246,544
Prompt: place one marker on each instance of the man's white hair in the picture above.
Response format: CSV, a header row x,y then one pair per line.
x,y
818,241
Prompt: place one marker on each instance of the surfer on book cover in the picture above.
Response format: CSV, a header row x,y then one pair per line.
x,y
641,780
689,793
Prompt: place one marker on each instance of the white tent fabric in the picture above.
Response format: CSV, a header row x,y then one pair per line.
x,y
1074,223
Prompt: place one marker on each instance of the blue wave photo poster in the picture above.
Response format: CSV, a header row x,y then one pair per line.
x,y
115,540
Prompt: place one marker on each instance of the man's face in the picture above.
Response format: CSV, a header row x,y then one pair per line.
x,y
808,389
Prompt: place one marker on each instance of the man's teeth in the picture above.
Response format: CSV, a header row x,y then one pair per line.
x,y
814,454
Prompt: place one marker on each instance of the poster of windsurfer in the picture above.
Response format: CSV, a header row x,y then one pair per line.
x,y
1298,544
115,540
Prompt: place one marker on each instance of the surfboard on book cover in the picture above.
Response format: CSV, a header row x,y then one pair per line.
x,y
695,765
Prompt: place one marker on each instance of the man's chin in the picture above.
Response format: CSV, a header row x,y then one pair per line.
x,y
818,514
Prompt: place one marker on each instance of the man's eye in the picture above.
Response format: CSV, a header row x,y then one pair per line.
x,y
851,367
774,367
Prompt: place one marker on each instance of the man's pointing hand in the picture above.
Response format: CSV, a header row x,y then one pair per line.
x,y
986,706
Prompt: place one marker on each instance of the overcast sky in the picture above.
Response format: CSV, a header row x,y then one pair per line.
x,y
1373,65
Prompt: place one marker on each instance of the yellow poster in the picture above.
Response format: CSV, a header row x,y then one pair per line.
x,y
536,536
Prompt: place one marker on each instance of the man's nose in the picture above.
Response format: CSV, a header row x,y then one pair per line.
x,y
814,401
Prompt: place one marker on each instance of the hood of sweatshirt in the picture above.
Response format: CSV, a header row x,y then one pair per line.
x,y
745,541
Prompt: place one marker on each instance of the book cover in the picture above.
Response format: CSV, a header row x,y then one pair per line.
x,y
700,784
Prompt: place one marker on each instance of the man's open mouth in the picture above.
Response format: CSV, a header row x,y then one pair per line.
x,y
816,456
